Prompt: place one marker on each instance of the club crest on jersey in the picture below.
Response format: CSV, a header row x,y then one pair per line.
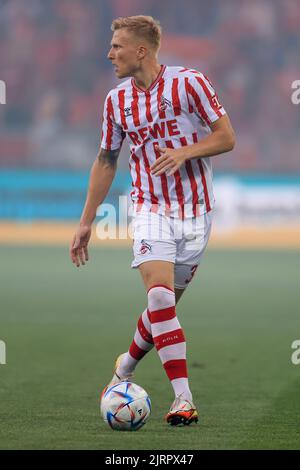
x,y
145,247
164,103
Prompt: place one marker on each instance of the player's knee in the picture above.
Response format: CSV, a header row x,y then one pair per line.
x,y
153,279
158,296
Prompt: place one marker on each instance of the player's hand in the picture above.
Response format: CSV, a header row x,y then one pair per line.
x,y
78,248
169,161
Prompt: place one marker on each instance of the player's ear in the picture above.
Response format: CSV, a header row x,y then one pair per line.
x,y
141,52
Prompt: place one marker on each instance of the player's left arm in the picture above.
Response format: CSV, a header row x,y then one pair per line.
x,y
221,140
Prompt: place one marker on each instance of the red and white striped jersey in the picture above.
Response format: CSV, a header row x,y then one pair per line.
x,y
176,110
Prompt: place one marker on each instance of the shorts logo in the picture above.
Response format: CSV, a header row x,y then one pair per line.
x,y
145,247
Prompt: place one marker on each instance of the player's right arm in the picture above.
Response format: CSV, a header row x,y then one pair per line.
x,y
101,177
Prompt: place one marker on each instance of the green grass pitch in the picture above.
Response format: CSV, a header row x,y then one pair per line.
x,y
63,328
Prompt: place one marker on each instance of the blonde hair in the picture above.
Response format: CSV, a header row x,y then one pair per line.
x,y
143,26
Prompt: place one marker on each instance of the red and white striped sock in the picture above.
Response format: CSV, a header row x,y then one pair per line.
x,y
169,338
141,344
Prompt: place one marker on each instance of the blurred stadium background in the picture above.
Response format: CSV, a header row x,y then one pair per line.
x,y
53,61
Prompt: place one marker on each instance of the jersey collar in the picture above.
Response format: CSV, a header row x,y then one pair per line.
x,y
153,84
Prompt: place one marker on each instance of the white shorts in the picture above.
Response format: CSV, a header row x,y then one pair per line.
x,y
182,242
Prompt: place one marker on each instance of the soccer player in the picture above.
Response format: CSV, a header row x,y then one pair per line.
x,y
173,123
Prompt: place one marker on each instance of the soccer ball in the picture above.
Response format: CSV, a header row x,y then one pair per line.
x,y
125,406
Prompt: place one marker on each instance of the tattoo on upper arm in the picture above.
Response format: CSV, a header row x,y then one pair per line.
x,y
109,157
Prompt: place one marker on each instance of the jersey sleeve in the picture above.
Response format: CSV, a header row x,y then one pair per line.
x,y
203,98
112,134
